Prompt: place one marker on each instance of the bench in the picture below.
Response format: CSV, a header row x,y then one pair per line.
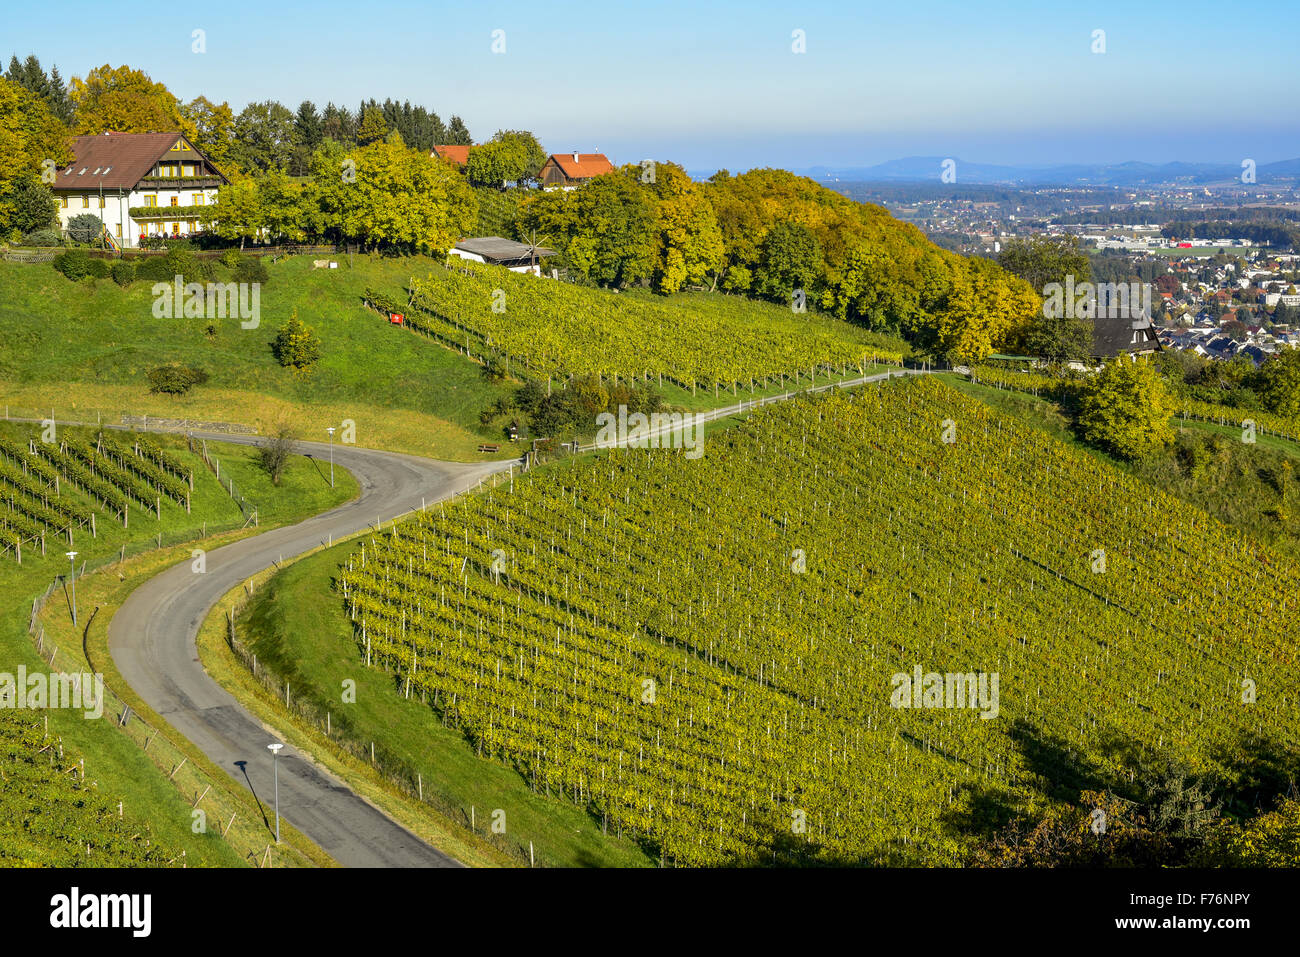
x,y
489,448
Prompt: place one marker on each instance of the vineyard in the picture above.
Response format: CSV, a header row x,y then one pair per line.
x,y
1053,387
50,817
701,653
53,488
550,328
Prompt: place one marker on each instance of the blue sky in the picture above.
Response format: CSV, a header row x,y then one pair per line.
x,y
717,84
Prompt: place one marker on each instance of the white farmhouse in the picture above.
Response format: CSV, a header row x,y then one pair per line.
x,y
137,184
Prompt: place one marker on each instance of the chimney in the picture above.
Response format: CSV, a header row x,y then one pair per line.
x,y
575,157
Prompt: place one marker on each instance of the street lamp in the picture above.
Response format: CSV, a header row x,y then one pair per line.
x,y
72,561
330,430
275,761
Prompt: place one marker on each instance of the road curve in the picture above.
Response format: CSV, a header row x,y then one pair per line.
x,y
153,641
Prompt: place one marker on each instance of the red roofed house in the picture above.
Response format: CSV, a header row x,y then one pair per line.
x,y
137,184
456,154
567,170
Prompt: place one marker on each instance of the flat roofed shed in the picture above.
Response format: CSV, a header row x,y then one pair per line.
x,y
498,250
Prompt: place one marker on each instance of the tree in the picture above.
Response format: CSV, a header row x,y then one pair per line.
x,y
33,207
393,196
238,213
789,258
372,127
281,201
308,131
30,135
295,346
214,129
125,101
263,136
458,133
85,228
688,245
337,124
605,230
511,156
1057,338
308,127
275,450
49,88
1124,409
1268,840
1040,260
1278,383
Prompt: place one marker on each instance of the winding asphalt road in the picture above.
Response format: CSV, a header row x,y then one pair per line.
x,y
153,641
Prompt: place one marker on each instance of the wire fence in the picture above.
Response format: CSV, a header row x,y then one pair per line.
x,y
219,812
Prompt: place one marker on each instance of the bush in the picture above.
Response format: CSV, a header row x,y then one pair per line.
x,y
251,269
154,269
43,237
175,379
123,272
75,264
98,269
177,262
295,345
85,228
1124,409
231,259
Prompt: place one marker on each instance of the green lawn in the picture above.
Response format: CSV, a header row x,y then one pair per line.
x,y
83,347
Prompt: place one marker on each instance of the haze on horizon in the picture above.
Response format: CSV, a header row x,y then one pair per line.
x,y
718,85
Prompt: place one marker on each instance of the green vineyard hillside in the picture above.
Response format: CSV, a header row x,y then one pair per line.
x,y
705,653
555,328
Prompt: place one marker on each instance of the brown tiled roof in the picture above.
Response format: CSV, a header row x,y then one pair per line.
x,y
114,160
457,154
585,166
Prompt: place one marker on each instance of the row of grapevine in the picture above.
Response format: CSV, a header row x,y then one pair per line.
x,y
702,652
553,328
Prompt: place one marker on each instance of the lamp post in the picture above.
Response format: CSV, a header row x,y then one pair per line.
x,y
330,430
275,761
72,561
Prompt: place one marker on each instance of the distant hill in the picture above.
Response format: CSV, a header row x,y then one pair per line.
x,y
929,169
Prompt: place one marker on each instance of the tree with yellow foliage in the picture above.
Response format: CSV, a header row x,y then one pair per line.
x,y
125,101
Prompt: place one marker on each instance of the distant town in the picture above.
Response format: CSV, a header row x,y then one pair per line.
x,y
1225,279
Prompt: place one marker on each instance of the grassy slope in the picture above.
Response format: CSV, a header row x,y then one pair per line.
x,y
83,350
115,762
85,347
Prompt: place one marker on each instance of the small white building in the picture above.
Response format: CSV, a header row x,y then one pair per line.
x,y
496,251
137,184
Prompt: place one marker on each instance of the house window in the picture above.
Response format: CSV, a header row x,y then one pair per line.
x,y
118,230
196,199
187,169
176,146
85,202
63,201
176,200
151,199
101,202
